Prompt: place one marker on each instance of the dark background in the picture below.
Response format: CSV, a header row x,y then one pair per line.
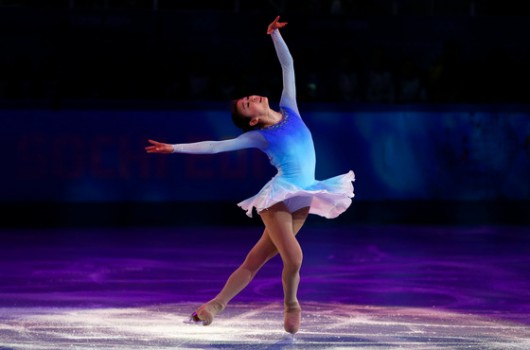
x,y
458,51
69,68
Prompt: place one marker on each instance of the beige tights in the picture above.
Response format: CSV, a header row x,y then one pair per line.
x,y
237,281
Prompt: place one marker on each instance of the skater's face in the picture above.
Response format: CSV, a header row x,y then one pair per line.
x,y
253,106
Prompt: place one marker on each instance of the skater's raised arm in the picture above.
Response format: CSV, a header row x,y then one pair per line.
x,y
288,98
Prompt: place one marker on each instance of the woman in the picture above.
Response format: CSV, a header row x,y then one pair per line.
x,y
286,200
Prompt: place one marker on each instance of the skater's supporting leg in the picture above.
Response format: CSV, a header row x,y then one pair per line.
x,y
279,223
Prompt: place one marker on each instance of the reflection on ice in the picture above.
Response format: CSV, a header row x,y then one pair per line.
x,y
256,326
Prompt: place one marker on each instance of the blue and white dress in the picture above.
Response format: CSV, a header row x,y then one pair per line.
x,y
289,146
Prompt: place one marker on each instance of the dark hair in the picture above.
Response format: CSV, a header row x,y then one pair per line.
x,y
240,120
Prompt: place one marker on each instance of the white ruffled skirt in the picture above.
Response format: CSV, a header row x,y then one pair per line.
x,y
330,197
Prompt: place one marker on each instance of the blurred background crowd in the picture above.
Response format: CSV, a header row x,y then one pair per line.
x,y
351,51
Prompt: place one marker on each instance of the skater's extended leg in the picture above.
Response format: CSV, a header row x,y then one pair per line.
x,y
262,251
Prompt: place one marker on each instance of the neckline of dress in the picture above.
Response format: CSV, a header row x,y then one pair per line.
x,y
282,121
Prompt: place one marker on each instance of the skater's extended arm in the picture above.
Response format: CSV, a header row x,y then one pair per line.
x,y
246,140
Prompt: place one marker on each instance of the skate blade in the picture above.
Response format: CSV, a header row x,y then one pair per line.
x,y
194,319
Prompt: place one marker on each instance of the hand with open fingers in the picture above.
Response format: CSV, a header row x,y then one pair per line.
x,y
158,147
276,24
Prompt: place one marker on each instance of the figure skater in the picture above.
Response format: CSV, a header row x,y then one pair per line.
x,y
286,200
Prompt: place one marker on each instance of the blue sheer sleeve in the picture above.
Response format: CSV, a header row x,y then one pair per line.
x,y
250,139
288,98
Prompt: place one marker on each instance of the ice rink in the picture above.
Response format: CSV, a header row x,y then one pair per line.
x,y
362,287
